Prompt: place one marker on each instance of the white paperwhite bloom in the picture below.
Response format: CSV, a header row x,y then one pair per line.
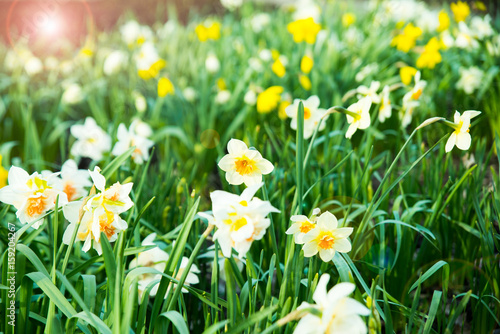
x,y
461,136
359,117
189,94
231,4
266,55
135,34
33,66
301,225
366,71
470,79
385,110
370,92
326,238
240,220
465,37
339,313
481,27
115,62
129,138
222,96
244,165
73,94
260,21
32,195
250,97
493,46
141,128
255,64
354,36
91,140
312,115
100,213
212,63
447,39
74,181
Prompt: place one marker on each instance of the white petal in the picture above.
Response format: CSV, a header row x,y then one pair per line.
x,y
226,163
319,295
99,180
326,254
310,249
252,179
343,232
265,166
312,102
72,211
463,140
236,147
68,233
249,192
232,177
327,221
351,130
451,142
471,113
342,245
17,176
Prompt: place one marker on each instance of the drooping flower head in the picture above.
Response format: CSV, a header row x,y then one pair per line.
x,y
91,141
326,238
358,116
411,100
32,195
461,136
312,115
244,165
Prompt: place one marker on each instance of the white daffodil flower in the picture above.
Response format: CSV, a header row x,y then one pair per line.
x,y
358,116
301,225
370,92
385,110
312,115
32,195
91,140
465,37
411,100
338,312
115,62
240,219
74,181
471,79
244,165
100,213
326,238
132,137
461,136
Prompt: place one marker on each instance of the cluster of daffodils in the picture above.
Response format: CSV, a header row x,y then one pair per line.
x,y
98,213
240,219
320,234
35,195
93,142
333,311
157,258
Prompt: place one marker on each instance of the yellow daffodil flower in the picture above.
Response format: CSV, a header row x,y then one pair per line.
x,y
406,40
444,21
305,82
431,56
278,68
268,100
3,174
460,10
348,19
304,30
208,30
306,64
165,87
407,73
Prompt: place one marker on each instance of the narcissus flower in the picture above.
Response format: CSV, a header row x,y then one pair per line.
x,y
470,79
129,138
73,94
481,27
334,311
278,68
73,181
385,110
244,165
306,64
240,220
135,34
212,63
465,38
165,87
370,92
208,30
91,141
32,195
407,73
411,100
326,238
348,19
4,174
99,213
461,136
444,21
406,40
460,10
268,100
431,56
148,62
304,30
157,258
358,116
301,225
312,115
115,62
305,82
